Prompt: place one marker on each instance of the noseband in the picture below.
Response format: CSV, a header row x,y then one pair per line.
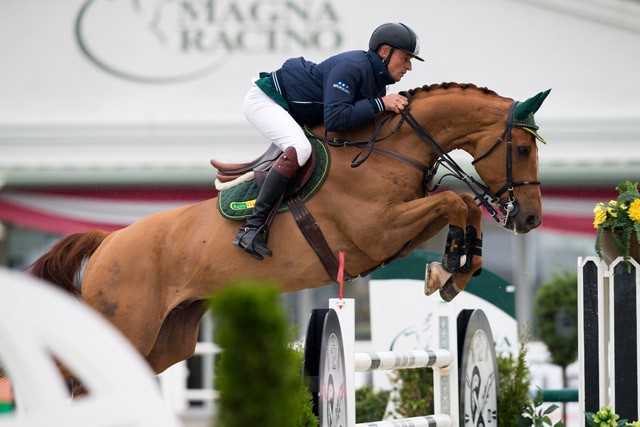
x,y
485,197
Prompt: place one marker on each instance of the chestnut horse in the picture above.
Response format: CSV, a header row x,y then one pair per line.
x,y
151,278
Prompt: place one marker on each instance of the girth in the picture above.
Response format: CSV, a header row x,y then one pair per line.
x,y
311,231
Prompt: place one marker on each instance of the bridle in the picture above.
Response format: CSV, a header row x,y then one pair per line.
x,y
483,195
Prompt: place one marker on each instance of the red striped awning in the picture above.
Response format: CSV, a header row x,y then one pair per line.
x,y
71,210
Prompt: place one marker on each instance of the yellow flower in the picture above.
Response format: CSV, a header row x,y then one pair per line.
x,y
634,211
611,209
600,215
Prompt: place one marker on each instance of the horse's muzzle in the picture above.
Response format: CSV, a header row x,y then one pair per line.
x,y
523,223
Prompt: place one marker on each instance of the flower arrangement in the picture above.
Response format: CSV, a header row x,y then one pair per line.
x,y
620,218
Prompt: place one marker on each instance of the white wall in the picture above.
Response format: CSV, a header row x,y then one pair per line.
x,y
49,87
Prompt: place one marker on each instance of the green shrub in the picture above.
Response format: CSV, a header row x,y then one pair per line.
x,y
415,392
513,400
556,309
370,404
305,400
258,373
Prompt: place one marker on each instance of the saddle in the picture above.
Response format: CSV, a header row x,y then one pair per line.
x,y
236,199
228,172
236,203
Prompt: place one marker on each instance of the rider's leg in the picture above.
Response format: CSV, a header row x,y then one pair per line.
x,y
280,128
251,237
276,124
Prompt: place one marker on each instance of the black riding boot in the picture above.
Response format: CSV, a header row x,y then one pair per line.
x,y
251,237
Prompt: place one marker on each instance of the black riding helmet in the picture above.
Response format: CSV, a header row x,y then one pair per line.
x,y
398,36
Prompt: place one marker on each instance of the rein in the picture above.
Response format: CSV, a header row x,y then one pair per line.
x,y
485,197
370,146
481,192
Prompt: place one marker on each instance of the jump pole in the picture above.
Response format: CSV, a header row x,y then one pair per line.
x,y
442,360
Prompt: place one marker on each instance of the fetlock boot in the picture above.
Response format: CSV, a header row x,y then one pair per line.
x,y
252,236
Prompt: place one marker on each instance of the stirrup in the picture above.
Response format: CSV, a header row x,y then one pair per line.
x,y
250,247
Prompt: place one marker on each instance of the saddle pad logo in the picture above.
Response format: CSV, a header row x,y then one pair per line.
x,y
239,206
343,87
237,203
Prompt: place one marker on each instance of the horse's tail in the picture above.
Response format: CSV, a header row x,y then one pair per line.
x,y
62,263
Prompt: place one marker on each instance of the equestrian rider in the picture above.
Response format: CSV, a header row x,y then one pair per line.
x,y
343,91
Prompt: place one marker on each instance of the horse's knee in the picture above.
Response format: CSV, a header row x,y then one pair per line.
x,y
456,207
474,212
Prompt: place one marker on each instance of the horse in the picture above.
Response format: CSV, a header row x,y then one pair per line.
x,y
152,278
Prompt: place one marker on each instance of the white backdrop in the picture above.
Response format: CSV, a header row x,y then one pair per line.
x,y
510,46
65,119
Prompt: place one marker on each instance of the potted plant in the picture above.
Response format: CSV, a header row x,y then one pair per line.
x,y
618,224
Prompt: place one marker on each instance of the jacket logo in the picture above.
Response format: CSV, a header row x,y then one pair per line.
x,y
343,87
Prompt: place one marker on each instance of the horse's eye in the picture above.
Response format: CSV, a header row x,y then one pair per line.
x,y
523,151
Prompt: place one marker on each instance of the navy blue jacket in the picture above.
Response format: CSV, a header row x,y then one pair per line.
x,y
342,91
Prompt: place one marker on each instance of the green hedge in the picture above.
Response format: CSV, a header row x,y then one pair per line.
x,y
258,374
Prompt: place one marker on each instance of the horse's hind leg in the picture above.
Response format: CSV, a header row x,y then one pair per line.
x,y
122,306
178,336
451,284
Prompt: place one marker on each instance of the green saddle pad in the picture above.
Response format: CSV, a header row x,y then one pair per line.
x,y
237,203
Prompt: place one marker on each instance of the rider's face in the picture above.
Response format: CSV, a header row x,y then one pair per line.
x,y
399,64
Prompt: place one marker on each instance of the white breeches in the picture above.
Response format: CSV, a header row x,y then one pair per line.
x,y
275,123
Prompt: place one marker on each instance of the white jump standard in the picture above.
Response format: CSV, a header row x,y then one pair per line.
x,y
608,336
330,366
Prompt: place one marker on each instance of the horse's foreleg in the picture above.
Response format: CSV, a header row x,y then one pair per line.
x,y
451,283
415,222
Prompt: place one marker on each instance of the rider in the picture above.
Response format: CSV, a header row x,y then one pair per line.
x,y
343,91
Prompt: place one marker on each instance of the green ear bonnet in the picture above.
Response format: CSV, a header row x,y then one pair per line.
x,y
524,111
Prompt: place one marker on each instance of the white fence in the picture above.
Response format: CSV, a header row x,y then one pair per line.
x,y
608,336
39,323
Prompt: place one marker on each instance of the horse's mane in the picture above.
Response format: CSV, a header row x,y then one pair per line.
x,y
450,85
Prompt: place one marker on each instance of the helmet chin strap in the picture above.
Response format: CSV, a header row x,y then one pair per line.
x,y
388,58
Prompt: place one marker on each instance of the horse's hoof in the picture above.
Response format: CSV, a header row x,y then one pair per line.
x,y
449,291
435,277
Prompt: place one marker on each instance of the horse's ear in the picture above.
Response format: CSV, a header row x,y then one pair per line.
x,y
525,110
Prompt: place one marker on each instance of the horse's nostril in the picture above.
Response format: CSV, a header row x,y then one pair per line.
x,y
533,221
